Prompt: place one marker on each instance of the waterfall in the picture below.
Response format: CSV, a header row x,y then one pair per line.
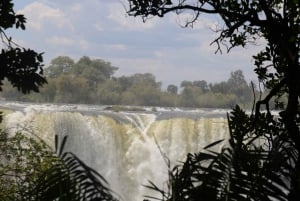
x,y
125,147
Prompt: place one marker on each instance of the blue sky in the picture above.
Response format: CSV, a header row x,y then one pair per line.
x,y
101,29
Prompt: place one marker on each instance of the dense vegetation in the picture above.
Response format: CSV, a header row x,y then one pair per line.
x,y
92,81
261,160
29,169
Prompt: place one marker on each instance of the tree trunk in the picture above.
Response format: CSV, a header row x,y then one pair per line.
x,y
289,117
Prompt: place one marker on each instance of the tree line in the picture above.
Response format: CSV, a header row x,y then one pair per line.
x,y
261,160
92,81
29,169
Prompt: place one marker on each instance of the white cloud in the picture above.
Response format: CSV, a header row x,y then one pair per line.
x,y
84,44
115,47
117,13
99,27
61,41
160,54
76,7
39,15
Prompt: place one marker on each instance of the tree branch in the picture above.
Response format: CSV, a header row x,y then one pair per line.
x,y
267,99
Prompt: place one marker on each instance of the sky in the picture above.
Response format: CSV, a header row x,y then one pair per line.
x,y
101,29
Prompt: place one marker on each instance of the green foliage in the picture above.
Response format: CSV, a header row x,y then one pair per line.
x,y
109,92
29,170
173,89
261,161
95,70
247,168
23,158
91,86
9,18
70,90
59,65
20,66
70,179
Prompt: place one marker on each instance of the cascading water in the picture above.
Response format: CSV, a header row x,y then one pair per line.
x,y
124,147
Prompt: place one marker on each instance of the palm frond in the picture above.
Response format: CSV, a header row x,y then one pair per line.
x,y
257,164
70,179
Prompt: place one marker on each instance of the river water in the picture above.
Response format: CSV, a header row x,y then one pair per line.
x,y
125,147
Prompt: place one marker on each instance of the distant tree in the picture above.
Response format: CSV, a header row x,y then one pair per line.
x,y
89,73
202,84
236,79
145,78
109,93
173,89
70,90
85,60
129,98
10,93
217,100
278,68
186,83
237,85
94,70
59,65
103,69
142,94
189,96
48,92
169,99
125,82
221,87
28,169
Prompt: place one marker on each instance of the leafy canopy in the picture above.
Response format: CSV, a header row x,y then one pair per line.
x,y
21,67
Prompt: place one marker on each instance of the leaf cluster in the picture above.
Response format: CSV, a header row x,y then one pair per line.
x,y
8,18
95,84
29,170
256,164
20,66
70,179
23,158
262,159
